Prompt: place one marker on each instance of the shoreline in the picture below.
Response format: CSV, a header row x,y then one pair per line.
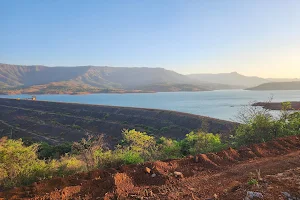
x,y
75,93
295,105
87,93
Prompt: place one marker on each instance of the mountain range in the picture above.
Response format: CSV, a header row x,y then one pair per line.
x,y
233,78
43,79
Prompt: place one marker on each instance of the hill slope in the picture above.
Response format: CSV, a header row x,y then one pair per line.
x,y
278,86
42,79
60,122
233,78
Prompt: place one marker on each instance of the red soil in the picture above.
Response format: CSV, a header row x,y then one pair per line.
x,y
223,175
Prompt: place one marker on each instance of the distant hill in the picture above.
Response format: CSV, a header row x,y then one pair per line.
x,y
38,79
104,77
91,79
173,87
234,79
283,79
295,85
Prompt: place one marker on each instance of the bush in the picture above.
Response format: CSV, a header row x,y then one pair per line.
x,y
19,164
107,158
201,142
69,165
46,151
87,148
139,143
260,129
23,164
292,125
261,126
131,157
169,149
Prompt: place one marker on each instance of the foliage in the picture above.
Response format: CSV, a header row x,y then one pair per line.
x,y
169,148
19,164
87,148
253,182
46,151
262,126
201,142
132,157
140,143
22,164
260,129
69,165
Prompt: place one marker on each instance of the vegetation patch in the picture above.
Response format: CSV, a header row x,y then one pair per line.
x,y
24,162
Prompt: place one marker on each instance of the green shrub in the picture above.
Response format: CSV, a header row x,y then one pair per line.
x,y
140,143
201,142
262,127
164,129
106,116
107,158
22,164
168,148
46,151
19,164
88,147
253,182
131,157
69,165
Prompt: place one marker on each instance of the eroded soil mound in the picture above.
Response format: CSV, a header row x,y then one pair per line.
x,y
272,169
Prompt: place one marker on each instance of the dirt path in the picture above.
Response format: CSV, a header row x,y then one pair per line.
x,y
226,175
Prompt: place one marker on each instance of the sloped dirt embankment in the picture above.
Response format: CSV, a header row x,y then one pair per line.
x,y
224,175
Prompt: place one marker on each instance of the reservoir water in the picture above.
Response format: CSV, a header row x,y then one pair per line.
x,y
222,104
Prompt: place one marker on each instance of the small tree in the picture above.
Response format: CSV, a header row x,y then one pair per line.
x,y
87,148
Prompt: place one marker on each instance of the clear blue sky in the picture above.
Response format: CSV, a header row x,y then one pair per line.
x,y
253,37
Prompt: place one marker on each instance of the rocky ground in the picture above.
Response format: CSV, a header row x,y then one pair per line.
x,y
264,171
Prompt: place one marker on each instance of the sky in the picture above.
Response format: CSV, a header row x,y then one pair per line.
x,y
252,37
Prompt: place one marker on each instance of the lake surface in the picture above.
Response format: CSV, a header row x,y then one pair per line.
x,y
222,104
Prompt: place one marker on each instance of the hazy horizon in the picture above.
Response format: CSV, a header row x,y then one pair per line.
x,y
253,38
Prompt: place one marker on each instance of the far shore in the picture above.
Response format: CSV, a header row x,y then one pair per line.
x,y
295,105
74,93
97,92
